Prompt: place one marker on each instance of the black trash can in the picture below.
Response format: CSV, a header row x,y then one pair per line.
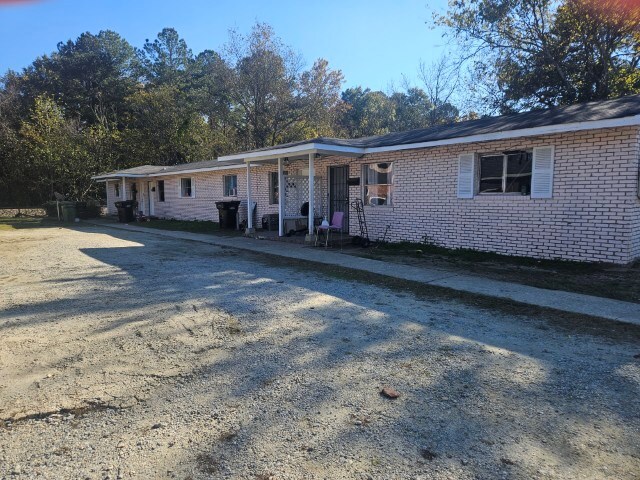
x,y
125,211
228,214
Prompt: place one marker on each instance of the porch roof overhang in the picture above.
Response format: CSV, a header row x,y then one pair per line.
x,y
160,171
293,151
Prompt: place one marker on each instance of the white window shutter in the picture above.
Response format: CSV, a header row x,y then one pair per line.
x,y
542,172
466,175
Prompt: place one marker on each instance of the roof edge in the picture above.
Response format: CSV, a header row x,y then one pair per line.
x,y
120,175
316,146
310,147
507,134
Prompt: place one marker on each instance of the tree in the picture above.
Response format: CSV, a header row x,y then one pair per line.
x,y
209,93
441,82
163,129
366,113
542,53
264,86
320,87
414,109
90,77
14,179
165,60
56,153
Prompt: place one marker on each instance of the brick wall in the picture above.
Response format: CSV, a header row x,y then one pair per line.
x,y
635,215
594,214
111,196
209,188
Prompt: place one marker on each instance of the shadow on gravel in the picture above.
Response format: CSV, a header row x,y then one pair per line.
x,y
481,391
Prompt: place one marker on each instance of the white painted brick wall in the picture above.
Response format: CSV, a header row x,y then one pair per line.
x,y
111,195
594,214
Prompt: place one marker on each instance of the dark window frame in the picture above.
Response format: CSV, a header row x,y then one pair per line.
x,y
232,192
190,188
161,191
390,183
506,174
274,187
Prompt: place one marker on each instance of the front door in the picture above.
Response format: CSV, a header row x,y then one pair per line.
x,y
151,207
339,193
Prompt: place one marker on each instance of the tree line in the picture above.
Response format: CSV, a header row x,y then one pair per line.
x,y
98,103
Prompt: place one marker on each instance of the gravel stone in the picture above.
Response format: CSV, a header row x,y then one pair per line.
x,y
129,355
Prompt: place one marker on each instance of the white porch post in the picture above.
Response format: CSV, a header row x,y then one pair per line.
x,y
281,189
311,196
250,228
124,190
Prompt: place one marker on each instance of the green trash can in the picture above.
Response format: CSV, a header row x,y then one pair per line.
x,y
68,212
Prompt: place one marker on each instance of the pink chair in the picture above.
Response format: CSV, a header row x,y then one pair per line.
x,y
335,226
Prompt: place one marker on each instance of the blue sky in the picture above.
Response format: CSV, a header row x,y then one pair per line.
x,y
373,42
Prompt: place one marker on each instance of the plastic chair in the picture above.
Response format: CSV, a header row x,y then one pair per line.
x,y
335,226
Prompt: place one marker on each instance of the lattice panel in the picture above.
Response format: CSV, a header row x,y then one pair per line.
x,y
296,193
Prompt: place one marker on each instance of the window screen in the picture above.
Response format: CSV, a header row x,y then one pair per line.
x,y
506,173
378,183
186,189
230,185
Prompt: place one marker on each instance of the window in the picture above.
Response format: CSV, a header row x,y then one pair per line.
x,y
230,185
186,187
508,172
378,183
117,189
273,187
161,190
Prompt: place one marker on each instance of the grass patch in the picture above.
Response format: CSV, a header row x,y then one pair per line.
x,y
16,223
192,226
419,250
620,282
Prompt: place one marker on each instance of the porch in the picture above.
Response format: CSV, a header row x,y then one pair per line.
x,y
304,197
335,240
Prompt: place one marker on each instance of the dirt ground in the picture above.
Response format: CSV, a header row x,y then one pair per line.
x,y
131,355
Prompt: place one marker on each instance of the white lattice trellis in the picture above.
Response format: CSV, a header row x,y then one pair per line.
x,y
296,193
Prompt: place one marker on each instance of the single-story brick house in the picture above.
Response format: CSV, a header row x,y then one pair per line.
x,y
558,183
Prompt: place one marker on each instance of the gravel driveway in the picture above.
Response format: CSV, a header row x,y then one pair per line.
x,y
129,355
